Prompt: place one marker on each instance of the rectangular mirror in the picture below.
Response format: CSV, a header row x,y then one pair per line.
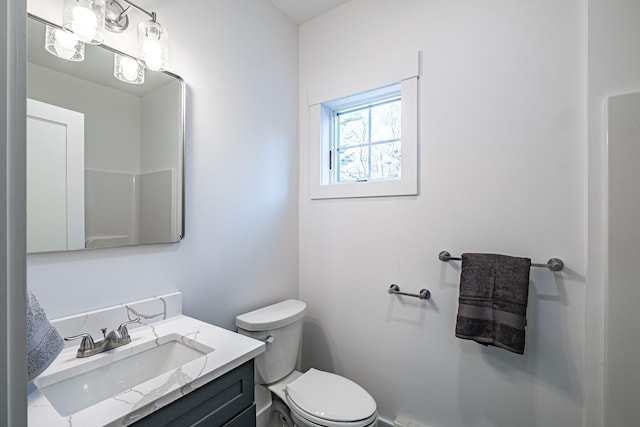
x,y
105,158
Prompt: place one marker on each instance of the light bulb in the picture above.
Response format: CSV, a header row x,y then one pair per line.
x,y
84,23
152,54
65,39
63,44
85,18
129,68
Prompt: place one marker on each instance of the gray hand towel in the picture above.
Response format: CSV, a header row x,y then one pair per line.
x,y
44,343
492,307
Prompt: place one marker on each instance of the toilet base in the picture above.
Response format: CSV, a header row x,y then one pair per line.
x,y
270,410
273,412
263,406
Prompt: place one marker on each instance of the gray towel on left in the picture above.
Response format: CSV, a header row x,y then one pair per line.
x,y
44,343
492,307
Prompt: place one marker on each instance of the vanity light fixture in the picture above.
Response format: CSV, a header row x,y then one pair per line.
x,y
127,69
153,45
87,19
63,44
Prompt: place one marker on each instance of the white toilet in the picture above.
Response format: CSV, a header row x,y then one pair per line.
x,y
311,399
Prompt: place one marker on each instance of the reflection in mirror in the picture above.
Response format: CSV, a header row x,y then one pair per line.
x,y
105,158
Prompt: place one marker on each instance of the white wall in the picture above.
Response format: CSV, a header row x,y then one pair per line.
x,y
614,68
502,169
239,60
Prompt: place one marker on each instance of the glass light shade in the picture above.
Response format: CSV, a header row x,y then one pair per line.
x,y
85,19
63,44
153,46
127,70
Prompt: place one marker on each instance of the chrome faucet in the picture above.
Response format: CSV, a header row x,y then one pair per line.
x,y
116,338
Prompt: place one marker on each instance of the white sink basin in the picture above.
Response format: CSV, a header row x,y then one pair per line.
x,y
84,385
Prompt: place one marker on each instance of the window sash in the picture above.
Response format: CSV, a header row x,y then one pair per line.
x,y
338,148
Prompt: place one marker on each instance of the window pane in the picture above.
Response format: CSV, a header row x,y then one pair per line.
x,y
385,161
353,164
368,140
354,128
386,121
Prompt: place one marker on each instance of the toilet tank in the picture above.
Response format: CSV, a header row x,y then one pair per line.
x,y
280,326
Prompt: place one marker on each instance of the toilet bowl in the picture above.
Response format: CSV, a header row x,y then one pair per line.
x,y
314,398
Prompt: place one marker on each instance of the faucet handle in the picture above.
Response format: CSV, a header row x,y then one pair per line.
x,y
86,343
122,329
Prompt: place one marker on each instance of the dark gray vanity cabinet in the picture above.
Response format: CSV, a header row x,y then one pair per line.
x,y
226,401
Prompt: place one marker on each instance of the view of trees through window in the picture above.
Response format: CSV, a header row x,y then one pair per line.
x,y
368,142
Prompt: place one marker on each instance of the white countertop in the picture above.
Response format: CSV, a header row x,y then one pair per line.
x,y
230,351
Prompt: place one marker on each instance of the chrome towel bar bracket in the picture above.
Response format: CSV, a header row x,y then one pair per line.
x,y
554,264
395,289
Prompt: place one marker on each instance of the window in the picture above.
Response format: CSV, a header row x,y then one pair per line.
x,y
366,138
365,144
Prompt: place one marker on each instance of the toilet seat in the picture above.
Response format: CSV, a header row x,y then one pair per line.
x,y
298,414
330,400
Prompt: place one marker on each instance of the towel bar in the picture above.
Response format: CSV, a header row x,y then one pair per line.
x,y
395,289
554,264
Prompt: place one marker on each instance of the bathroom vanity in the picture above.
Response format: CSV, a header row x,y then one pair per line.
x,y
176,371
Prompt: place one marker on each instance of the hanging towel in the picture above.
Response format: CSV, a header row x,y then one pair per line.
x,y
492,307
44,343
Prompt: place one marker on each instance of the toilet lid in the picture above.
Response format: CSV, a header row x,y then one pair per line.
x,y
331,397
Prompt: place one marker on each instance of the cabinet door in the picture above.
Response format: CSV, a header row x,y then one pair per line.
x,y
212,405
245,419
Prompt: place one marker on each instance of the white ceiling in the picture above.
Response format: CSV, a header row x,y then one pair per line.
x,y
301,11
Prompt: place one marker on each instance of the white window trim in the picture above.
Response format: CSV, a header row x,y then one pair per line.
x,y
404,70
